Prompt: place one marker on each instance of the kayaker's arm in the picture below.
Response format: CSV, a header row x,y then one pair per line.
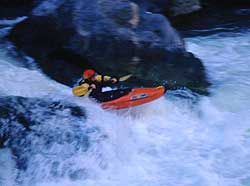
x,y
105,79
110,79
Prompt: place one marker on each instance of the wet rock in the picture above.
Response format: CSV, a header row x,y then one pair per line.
x,y
64,66
179,7
183,7
30,126
44,42
225,3
109,36
47,138
170,7
154,5
215,17
16,2
15,8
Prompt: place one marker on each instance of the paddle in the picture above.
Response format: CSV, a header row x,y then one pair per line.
x,y
124,78
80,90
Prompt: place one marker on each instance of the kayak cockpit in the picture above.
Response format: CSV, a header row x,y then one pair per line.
x,y
101,97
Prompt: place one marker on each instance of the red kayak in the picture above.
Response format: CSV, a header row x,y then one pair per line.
x,y
135,97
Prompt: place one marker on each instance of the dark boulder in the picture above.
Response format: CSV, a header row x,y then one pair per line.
x,y
225,3
215,17
14,3
154,5
115,38
170,7
183,7
19,115
15,8
43,133
44,42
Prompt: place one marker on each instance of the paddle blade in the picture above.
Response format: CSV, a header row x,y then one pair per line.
x,y
124,78
79,91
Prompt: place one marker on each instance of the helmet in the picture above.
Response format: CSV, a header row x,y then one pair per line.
x,y
88,73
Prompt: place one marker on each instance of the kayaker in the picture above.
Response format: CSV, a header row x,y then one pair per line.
x,y
93,81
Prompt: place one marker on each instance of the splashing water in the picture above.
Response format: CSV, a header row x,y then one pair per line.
x,y
169,142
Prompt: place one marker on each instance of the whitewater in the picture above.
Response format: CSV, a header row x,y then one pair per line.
x,y
174,141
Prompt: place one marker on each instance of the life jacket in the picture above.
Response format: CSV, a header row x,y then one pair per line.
x,y
99,81
102,79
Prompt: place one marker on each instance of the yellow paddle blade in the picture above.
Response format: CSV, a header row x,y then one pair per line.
x,y
124,78
79,91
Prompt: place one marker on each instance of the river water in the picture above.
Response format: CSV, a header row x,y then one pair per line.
x,y
169,142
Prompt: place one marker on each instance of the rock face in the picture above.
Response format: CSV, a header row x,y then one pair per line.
x,y
171,7
115,37
180,7
225,3
183,7
154,5
14,8
43,133
20,116
224,14
16,2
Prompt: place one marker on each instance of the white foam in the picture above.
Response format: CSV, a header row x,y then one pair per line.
x,y
7,168
169,142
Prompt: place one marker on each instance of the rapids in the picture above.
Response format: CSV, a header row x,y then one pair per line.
x,y
200,141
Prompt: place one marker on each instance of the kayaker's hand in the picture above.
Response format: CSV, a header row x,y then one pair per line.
x,y
114,80
93,86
